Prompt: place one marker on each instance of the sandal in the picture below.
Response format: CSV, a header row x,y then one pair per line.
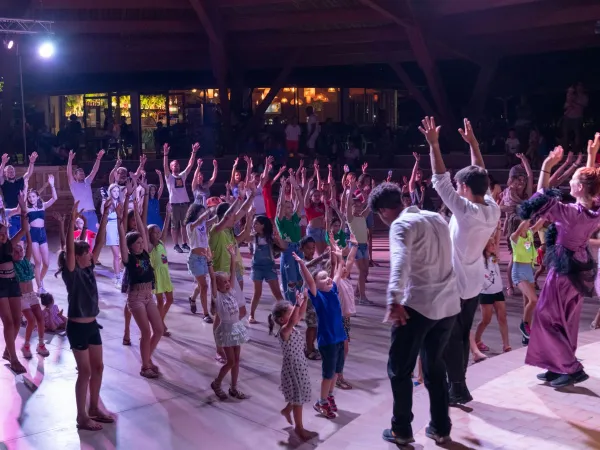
x,y
89,425
314,356
252,320
207,318
593,326
17,367
166,333
343,384
482,347
233,392
507,349
218,391
193,307
148,372
102,418
126,341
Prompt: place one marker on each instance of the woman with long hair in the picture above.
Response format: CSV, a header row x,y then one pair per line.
x,y
112,228
36,214
572,270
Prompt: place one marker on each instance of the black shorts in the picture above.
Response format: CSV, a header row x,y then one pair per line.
x,y
82,335
490,299
332,359
9,287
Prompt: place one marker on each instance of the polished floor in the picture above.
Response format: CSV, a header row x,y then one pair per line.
x,y
179,410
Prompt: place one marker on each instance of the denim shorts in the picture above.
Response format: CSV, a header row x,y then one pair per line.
x,y
259,273
91,219
332,359
318,234
38,235
197,265
362,252
522,272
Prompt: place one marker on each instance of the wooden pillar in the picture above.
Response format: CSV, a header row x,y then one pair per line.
x,y
136,124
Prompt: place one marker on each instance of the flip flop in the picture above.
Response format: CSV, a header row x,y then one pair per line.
x,y
126,341
93,427
103,418
17,368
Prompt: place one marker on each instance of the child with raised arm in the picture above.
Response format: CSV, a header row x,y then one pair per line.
x,y
30,304
231,332
76,265
154,201
295,378
323,293
136,259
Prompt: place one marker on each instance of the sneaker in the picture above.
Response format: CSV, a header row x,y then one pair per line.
x,y
186,247
438,439
365,302
177,248
42,350
41,290
389,436
569,379
548,376
324,410
26,350
525,330
331,400
525,341
459,394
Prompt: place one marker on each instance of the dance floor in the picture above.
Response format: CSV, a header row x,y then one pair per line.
x,y
511,409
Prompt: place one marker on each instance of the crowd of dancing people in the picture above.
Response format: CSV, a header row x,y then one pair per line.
x,y
444,266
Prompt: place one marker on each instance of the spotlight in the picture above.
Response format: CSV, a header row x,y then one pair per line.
x,y
9,43
46,50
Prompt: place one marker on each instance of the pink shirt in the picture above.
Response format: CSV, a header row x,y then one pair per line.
x,y
51,317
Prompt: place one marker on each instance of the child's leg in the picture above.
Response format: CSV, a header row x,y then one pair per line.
x,y
299,428
486,318
227,366
160,304
363,267
39,319
156,322
96,372
287,413
500,308
528,290
127,330
168,304
202,287
235,370
275,290
30,325
477,355
141,319
255,298
84,372
509,274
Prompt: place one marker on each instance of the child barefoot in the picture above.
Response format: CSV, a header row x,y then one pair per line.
x,y
323,292
30,304
54,320
295,379
231,333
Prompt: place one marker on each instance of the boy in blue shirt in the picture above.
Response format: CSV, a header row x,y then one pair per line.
x,y
331,335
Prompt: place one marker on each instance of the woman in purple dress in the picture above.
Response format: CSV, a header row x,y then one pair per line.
x,y
572,270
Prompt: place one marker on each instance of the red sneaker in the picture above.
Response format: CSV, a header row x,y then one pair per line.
x,y
324,410
332,405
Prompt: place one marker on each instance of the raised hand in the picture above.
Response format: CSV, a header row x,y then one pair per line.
x,y
33,158
5,159
364,167
158,172
522,157
195,147
71,156
554,157
129,187
108,203
75,211
215,164
594,146
58,216
296,257
166,149
118,162
301,164
51,180
199,162
430,130
143,160
100,154
467,133
235,161
21,200
346,168
570,157
417,156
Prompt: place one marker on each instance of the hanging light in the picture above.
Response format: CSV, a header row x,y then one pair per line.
x,y
331,90
287,89
284,100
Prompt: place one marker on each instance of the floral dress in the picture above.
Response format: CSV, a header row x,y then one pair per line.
x,y
295,379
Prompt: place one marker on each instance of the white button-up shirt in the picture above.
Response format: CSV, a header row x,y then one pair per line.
x,y
421,273
471,226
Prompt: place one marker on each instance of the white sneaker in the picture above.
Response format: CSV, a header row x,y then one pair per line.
x,y
42,350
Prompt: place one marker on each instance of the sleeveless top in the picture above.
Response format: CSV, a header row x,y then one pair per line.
x,y
36,214
24,270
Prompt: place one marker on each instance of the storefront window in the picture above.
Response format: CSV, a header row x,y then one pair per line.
x,y
121,107
74,105
291,102
153,110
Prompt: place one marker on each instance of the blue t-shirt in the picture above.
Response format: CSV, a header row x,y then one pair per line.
x,y
329,312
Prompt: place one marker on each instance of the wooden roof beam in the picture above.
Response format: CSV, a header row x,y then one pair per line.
x,y
413,89
126,27
449,7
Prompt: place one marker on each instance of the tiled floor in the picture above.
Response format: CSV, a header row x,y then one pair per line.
x,y
180,412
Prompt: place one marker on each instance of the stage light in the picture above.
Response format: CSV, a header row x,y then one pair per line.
x,y
10,44
46,50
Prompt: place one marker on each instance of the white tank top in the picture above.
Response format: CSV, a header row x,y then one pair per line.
x,y
198,237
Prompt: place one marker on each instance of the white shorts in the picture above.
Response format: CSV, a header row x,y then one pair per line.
x,y
28,300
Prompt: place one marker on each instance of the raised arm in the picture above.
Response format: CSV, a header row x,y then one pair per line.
x,y
161,184
141,228
528,171
592,150
122,241
307,194
280,199
549,163
246,205
523,226
70,248
297,313
166,169
113,173
32,159
101,236
282,169
560,176
413,175
70,167
195,184
317,173
5,159
469,137
140,169
233,170
249,166
227,217
50,202
308,278
432,134
190,165
92,175
244,236
213,178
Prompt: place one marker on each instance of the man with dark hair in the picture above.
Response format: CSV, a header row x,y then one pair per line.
x,y
422,304
475,217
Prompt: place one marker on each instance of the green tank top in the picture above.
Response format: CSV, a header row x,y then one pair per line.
x,y
524,250
24,270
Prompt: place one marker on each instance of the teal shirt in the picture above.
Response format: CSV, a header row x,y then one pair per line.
x,y
289,229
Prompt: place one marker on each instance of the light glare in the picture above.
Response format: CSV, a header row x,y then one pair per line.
x,y
46,50
10,44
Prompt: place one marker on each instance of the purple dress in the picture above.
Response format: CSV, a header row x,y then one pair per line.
x,y
553,339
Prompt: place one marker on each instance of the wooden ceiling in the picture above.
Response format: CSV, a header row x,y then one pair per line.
x,y
95,36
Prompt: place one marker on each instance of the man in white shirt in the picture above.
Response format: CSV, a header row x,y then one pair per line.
x,y
81,189
178,196
422,304
474,220
313,129
292,137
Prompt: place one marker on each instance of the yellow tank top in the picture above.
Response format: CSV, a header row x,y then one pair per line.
x,y
524,250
